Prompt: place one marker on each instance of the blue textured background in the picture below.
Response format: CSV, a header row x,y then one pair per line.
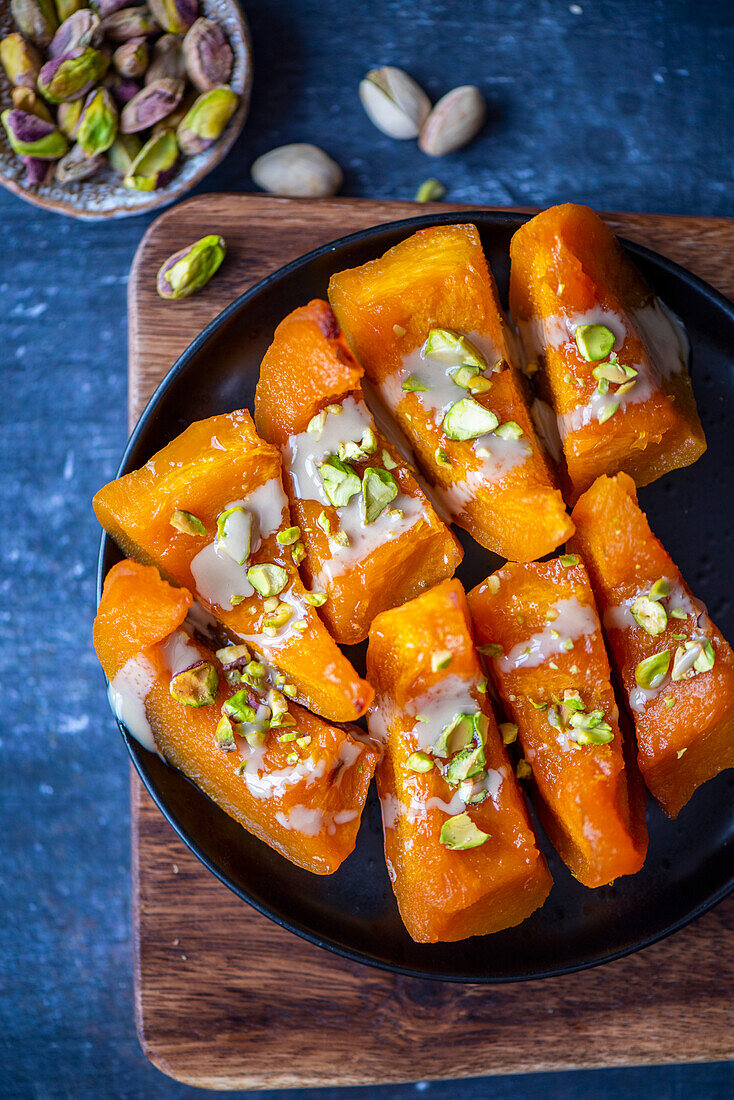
x,y
621,104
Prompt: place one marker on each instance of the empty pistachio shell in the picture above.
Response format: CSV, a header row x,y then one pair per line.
x,y
153,167
32,136
21,60
166,60
123,152
131,58
175,16
77,165
26,100
454,121
153,103
65,8
129,23
394,102
37,170
98,123
36,19
68,115
207,55
297,171
83,28
72,75
191,268
206,120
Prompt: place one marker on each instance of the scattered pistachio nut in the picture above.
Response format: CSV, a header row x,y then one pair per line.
x,y
21,60
207,55
394,102
72,75
649,614
196,686
131,58
129,23
299,171
97,127
268,580
340,480
174,16
224,735
509,732
83,28
187,271
187,523
431,190
460,833
206,120
594,342
77,164
651,672
154,165
454,121
166,61
36,20
379,488
467,419
32,136
150,105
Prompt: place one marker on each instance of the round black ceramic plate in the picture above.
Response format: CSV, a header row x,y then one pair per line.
x,y
689,865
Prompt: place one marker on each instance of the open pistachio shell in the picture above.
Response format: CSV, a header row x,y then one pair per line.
x,y
21,60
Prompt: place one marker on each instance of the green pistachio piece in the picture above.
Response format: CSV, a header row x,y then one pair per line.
x,y
153,166
669,701
705,661
32,136
466,764
21,61
442,459
278,617
452,348
509,732
419,762
234,533
491,649
608,412
460,833
191,268
238,707
614,372
278,705
600,734
412,384
523,770
567,560
224,735
269,580
455,736
430,190
573,700
594,341
464,376
234,656
35,19
509,430
316,599
254,674
298,553
72,75
582,721
341,482
440,659
690,658
288,536
660,590
678,613
324,523
187,523
651,672
317,423
379,488
649,614
98,123
206,120
196,686
467,419
68,115
388,462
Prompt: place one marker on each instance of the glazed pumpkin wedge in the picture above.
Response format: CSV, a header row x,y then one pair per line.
x,y
613,359
676,668
538,628
288,777
426,324
371,537
459,846
209,510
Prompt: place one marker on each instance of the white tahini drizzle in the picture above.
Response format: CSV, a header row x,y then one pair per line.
x,y
178,653
311,821
127,693
574,620
437,707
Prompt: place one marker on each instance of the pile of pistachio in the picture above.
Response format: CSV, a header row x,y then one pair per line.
x,y
135,86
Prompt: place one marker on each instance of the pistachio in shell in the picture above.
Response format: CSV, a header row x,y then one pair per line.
x,y
206,120
123,152
129,23
299,171
154,165
65,8
150,105
191,268
38,171
207,55
83,28
131,58
26,100
35,19
78,165
68,115
72,75
175,16
123,88
97,127
166,60
32,136
21,60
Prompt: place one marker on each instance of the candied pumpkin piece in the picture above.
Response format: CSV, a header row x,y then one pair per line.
x,y
613,358
459,845
209,510
369,550
426,323
288,777
676,668
538,629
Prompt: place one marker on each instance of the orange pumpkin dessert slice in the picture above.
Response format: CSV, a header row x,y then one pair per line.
x,y
538,627
676,668
372,540
426,324
613,359
287,776
459,846
210,512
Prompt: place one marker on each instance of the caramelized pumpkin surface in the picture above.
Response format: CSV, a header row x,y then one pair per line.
x,y
309,403
684,721
568,272
499,488
547,659
302,791
422,663
213,465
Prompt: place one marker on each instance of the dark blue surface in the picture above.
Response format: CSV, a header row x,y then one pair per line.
x,y
622,105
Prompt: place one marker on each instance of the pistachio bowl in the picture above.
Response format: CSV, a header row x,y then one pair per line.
x,y
103,196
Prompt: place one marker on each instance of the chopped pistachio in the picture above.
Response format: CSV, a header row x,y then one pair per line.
x,y
669,701
379,488
626,387
455,736
509,430
298,553
271,603
268,580
324,523
285,738
292,758
482,686
465,765
567,644
649,614
290,690
493,584
233,655
341,538
388,461
234,533
289,536
608,412
316,599
538,706
573,700
238,707
411,384
341,481
660,590
594,341
256,738
460,833
399,330
271,631
254,674
509,732
224,735
442,459
196,686
491,649
523,770
603,386
419,762
278,704
440,659
301,626
614,372
600,734
705,661
451,348
336,410
678,637
651,672
567,560
467,419
678,613
317,423
684,661
680,752
431,190
303,742
187,523
279,617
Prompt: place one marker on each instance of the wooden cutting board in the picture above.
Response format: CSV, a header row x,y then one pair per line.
x,y
225,998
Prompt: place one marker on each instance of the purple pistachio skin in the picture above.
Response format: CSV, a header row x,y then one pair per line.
x,y
80,29
123,89
28,128
208,55
109,7
49,70
37,170
151,105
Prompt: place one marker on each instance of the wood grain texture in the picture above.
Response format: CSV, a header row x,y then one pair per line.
x,y
224,997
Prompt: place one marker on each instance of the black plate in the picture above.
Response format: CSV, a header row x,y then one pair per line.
x,y
353,912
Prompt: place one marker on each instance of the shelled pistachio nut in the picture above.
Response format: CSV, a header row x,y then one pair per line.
x,y
207,55
68,115
131,58
123,152
97,127
72,75
154,165
394,102
129,23
35,19
21,60
37,170
191,268
454,121
26,100
32,136
166,61
153,103
77,165
298,171
83,28
65,8
206,120
174,16
123,88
